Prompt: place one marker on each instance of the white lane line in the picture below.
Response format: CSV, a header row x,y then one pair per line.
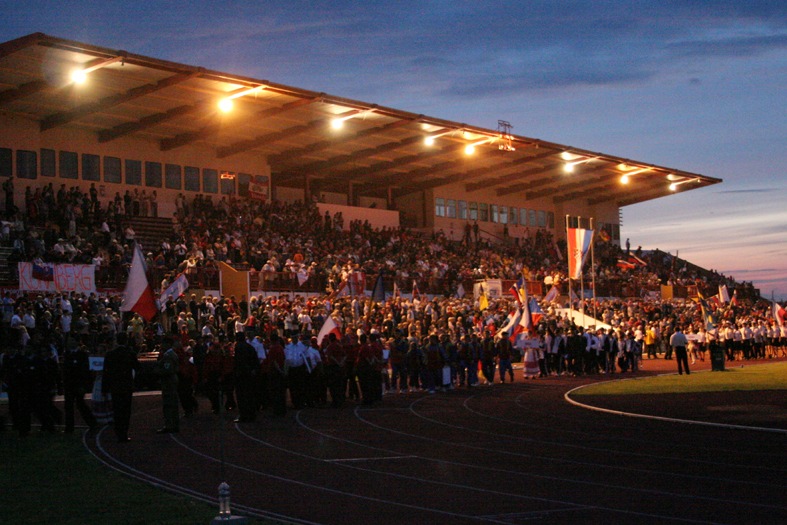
x,y
386,458
567,397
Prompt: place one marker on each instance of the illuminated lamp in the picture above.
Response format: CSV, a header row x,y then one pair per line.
x,y
79,76
470,148
226,103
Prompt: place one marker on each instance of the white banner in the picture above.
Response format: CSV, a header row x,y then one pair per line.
x,y
259,188
48,277
493,288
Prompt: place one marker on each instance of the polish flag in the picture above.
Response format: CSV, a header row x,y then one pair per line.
x,y
329,326
138,296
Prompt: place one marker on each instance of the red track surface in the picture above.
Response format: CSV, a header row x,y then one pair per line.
x,y
508,454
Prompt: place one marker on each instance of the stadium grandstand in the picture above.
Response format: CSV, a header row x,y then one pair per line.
x,y
147,141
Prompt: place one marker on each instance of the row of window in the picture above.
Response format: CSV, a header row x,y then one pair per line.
x,y
66,165
483,212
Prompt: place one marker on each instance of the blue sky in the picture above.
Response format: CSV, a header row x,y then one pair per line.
x,y
694,85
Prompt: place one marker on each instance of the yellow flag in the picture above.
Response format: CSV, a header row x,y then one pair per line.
x,y
483,302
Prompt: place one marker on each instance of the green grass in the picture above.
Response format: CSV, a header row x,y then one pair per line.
x,y
758,377
53,479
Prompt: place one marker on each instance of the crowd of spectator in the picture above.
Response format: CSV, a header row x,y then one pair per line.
x,y
404,343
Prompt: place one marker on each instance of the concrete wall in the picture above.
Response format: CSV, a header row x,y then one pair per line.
x,y
378,218
23,134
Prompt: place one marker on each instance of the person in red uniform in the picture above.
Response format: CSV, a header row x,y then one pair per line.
x,y
367,369
187,378
277,375
336,370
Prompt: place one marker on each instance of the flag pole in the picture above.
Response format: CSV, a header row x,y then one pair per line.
x,y
593,266
568,261
581,276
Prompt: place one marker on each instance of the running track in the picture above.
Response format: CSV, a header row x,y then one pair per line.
x,y
508,454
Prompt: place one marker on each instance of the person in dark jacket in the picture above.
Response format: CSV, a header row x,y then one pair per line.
x,y
77,380
167,370
246,369
120,365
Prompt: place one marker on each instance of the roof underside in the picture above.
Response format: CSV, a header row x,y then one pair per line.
x,y
378,148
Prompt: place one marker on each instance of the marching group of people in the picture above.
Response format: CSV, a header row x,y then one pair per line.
x,y
264,355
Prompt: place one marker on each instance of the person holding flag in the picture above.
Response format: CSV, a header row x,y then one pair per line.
x,y
138,295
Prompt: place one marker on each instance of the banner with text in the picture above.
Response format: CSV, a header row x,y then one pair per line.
x,y
48,277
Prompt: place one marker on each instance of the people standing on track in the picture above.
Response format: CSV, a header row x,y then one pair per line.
x,y
505,351
167,371
77,381
336,370
120,366
679,342
488,355
246,368
276,366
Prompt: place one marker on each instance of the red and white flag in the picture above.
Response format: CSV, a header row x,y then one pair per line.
x,y
724,295
330,326
416,293
579,241
138,295
511,323
778,314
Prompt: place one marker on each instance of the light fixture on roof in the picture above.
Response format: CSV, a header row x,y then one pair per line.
x,y
568,167
470,148
79,75
626,177
674,185
338,122
429,139
226,103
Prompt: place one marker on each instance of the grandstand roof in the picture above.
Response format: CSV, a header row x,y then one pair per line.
x,y
176,105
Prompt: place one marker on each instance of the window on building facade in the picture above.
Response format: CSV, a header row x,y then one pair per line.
x,y
512,215
461,208
503,214
493,213
210,180
244,179
69,165
6,162
172,176
112,170
26,164
450,208
483,212
542,219
473,211
133,172
48,162
531,218
523,216
439,207
551,219
227,186
153,174
191,178
91,167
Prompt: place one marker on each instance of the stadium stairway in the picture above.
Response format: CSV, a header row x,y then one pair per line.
x,y
5,271
150,232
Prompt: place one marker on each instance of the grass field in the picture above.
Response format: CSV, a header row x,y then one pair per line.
x,y
756,377
52,479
